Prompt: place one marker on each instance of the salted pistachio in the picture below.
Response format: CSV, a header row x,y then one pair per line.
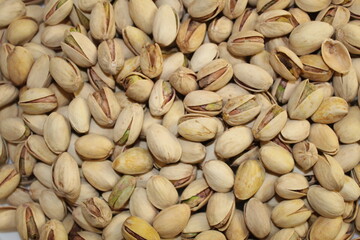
x,y
141,207
348,156
165,25
215,75
252,77
56,11
324,138
347,129
171,63
37,100
102,22
171,118
57,132
184,80
135,39
66,177
269,123
8,213
104,106
282,89
79,115
246,21
66,74
205,11
21,30
286,63
53,229
233,9
290,213
329,173
11,10
94,147
122,15
240,110
197,127
19,63
299,16
113,230
134,228
110,56
100,174
310,32
257,218
347,34
121,192
29,220
192,152
305,154
161,192
305,101
5,50
43,174
191,35
315,68
81,222
80,49
14,130
291,186
295,131
220,29
52,36
35,190
37,147
206,53
24,161
218,175
161,98
325,228
151,60
39,75
249,177
179,174
143,14
345,85
53,206
203,102
326,203
196,194
310,6
148,121
334,15
99,79
246,43
96,212
220,210
339,61
269,155
133,161
86,191
275,23
19,196
79,18
350,190
10,179
331,110
237,228
128,125
137,87
197,223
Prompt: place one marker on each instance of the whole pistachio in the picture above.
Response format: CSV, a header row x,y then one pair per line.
x,y
121,192
220,29
110,56
132,84
11,10
19,63
38,101
151,60
29,220
56,11
96,212
135,228
166,25
102,22
190,36
53,229
10,179
21,30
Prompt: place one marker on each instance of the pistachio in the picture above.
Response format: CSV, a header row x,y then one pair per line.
x,y
121,192
290,213
14,130
161,98
220,29
197,224
140,205
102,22
336,56
190,36
246,43
315,68
246,21
291,186
21,30
218,175
196,194
11,10
334,15
329,142
132,85
275,23
197,127
39,75
215,75
220,215
8,214
135,228
53,229
29,220
161,192
53,206
38,101
100,174
10,179
286,63
257,218
252,77
57,10
19,63
205,11
269,155
180,174
151,60
204,102
57,133
184,80
94,147
96,212
347,129
165,25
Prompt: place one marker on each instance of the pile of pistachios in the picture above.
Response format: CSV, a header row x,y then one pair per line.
x,y
180,119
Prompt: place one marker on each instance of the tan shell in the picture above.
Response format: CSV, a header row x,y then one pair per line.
x,y
94,147
197,127
218,175
295,131
220,210
324,138
257,218
135,160
161,192
336,56
253,78
269,155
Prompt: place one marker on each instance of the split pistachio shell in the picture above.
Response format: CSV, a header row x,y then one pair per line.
x,y
331,110
345,85
229,145
133,161
135,227
165,25
161,98
203,102
315,68
37,147
197,127
246,43
336,56
179,174
204,11
53,228
329,173
100,174
102,22
10,179
191,35
295,131
151,60
218,182
135,39
252,77
184,80
290,213
347,129
111,56
29,220
56,10
248,179
324,138
94,147
132,85
196,194
14,130
161,192
38,101
96,212
291,186
163,144
275,23
220,215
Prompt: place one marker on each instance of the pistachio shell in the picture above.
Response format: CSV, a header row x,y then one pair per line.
x,y
220,210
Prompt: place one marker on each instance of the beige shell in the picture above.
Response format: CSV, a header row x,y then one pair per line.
x,y
252,77
57,133
94,147
336,56
257,218
295,131
348,128
200,191
220,210
204,102
324,138
290,213
329,173
269,155
161,192
218,175
180,174
135,160
331,110
197,127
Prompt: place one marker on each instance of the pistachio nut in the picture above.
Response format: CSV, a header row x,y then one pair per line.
x,y
57,133
140,206
218,175
133,161
37,147
14,130
329,173
290,213
56,11
104,107
305,100
246,21
332,226
180,174
334,15
252,77
161,192
102,21
197,127
257,218
100,174
347,129
171,118
110,56
161,98
81,222
210,235
94,147
269,155
233,9
8,214
184,80
262,59
237,228
348,156
295,131
79,18
10,179
79,115
135,39
246,43
24,161
203,102
249,177
196,194
286,63
128,125
39,75
197,224
122,15
220,29
163,144
37,100
52,36
345,85
113,230
151,60
331,110
215,75
240,110
172,63
98,79
192,152
350,190
324,138
21,30
336,56
315,68
5,50
29,220
165,25
96,212
220,210
206,53
66,177
134,228
53,229
53,206
291,186
66,74
43,173
121,192
275,23
137,87
11,10
205,11
191,35
19,63
288,233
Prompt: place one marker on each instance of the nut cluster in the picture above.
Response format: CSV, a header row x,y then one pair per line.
x,y
180,119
